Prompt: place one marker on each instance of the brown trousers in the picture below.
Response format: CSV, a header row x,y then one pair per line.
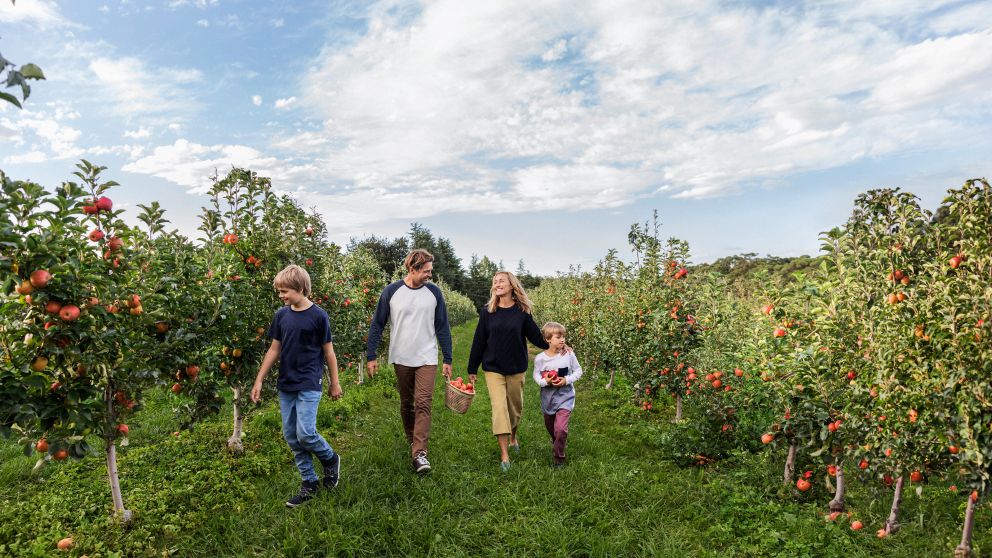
x,y
416,387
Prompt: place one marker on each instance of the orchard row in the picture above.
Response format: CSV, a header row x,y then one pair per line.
x,y
878,365
95,312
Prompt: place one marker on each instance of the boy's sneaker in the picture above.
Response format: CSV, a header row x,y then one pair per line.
x,y
420,463
307,491
332,472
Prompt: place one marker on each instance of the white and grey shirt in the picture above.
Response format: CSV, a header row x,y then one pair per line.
x,y
419,322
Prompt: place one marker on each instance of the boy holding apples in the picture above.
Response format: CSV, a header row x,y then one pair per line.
x,y
301,341
555,373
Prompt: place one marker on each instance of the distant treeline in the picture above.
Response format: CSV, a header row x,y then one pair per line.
x,y
473,281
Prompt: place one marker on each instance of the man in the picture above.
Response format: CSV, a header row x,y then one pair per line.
x,y
420,320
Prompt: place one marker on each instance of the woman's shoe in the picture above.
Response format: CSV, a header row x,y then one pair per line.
x,y
515,447
504,466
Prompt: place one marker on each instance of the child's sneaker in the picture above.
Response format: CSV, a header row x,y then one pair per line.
x,y
332,472
420,463
307,491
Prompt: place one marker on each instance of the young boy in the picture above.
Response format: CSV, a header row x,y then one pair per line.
x,y
301,339
555,373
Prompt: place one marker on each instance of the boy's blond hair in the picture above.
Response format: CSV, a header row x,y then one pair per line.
x,y
293,277
551,328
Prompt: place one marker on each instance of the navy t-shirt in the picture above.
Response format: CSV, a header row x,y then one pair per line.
x,y
302,336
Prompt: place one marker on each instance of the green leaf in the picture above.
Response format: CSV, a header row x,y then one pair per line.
x,y
31,71
10,99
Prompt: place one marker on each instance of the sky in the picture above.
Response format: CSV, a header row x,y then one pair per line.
x,y
533,130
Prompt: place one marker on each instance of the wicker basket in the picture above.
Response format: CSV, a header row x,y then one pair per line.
x,y
456,399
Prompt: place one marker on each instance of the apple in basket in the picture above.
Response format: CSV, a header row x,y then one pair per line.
x,y
461,385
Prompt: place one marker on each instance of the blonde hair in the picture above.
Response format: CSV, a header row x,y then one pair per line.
x,y
417,259
293,277
517,293
551,329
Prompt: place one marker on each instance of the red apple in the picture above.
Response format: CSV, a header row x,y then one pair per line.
x,y
69,313
104,204
40,278
96,235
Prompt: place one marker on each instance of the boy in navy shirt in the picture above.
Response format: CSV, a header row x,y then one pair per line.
x,y
301,339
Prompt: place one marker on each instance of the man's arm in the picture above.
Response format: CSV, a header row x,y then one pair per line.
x,y
442,330
376,327
270,358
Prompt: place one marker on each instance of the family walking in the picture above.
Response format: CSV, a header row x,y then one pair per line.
x,y
414,309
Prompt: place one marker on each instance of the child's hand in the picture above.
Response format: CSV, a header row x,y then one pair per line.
x,y
558,382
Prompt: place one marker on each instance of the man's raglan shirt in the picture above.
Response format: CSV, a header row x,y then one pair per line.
x,y
419,322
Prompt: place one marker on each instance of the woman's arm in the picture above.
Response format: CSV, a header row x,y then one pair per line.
x,y
478,342
533,333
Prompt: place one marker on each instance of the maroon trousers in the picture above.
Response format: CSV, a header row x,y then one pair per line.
x,y
557,425
416,387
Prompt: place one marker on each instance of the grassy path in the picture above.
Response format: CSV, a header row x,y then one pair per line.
x,y
616,497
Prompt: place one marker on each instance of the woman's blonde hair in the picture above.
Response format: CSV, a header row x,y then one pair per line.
x,y
516,292
293,277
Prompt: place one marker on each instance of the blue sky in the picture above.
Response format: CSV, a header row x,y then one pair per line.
x,y
533,130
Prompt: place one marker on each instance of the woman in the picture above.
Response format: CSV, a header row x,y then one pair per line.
x,y
505,322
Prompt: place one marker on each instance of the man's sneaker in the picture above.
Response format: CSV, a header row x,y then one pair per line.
x,y
332,472
307,491
420,463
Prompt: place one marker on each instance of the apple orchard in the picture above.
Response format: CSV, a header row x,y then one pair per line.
x,y
873,368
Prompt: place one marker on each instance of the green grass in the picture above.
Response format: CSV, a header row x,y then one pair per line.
x,y
616,497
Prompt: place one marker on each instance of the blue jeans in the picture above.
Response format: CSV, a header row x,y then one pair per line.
x,y
299,427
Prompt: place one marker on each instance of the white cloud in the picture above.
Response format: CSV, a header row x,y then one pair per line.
x,y
175,127
556,51
284,103
277,23
29,157
201,4
191,164
256,100
43,14
104,9
138,89
692,99
140,133
38,129
203,23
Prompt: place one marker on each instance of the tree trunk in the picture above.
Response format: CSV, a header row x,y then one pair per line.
x,y
678,408
361,370
609,385
234,442
837,504
790,464
122,515
964,549
892,523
